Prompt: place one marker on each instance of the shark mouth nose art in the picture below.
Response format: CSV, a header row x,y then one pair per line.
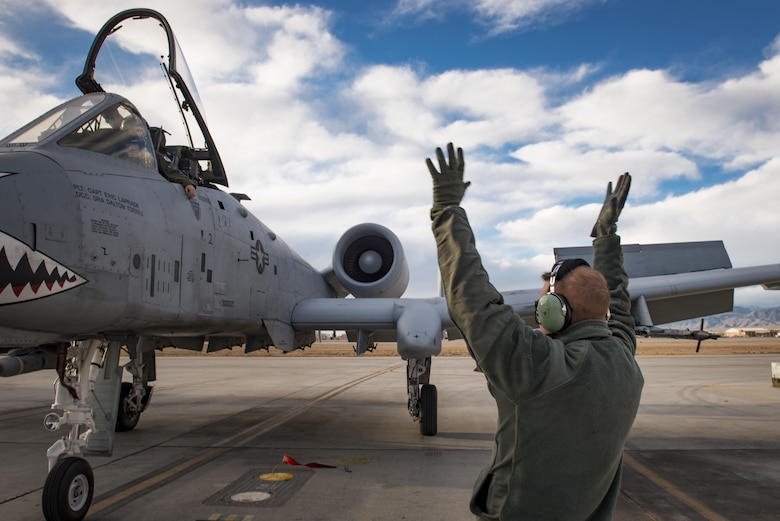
x,y
26,274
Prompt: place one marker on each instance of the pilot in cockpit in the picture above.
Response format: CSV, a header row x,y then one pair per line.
x,y
165,163
136,142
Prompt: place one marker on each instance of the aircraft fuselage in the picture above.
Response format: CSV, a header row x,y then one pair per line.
x,y
92,243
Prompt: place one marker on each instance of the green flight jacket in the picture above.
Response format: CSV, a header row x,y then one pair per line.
x,y
171,173
566,402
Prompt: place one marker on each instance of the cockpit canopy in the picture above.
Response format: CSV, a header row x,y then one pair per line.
x,y
122,40
118,132
43,127
108,124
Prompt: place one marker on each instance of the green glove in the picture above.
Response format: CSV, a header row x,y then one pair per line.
x,y
606,224
448,186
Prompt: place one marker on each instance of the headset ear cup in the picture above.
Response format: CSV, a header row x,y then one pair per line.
x,y
553,312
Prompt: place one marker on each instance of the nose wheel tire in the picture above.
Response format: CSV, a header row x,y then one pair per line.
x,y
428,410
67,494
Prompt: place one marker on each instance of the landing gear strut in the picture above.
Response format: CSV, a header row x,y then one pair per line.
x,y
91,403
85,405
422,395
67,493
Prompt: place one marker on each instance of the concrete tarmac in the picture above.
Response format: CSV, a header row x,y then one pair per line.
x,y
213,444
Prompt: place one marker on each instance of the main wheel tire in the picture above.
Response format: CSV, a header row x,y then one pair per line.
x,y
126,419
428,410
67,494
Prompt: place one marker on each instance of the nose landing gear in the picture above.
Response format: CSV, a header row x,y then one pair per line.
x,y
423,401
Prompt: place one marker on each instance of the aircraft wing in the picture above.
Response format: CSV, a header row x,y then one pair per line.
x,y
415,324
669,298
704,287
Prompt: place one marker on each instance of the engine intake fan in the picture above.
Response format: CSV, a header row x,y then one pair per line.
x,y
369,262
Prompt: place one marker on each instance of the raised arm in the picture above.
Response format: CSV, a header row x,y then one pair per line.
x,y
608,259
474,304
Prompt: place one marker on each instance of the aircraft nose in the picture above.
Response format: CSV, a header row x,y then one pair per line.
x,y
28,193
38,224
10,205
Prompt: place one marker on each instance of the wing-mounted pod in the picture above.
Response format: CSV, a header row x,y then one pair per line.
x,y
369,261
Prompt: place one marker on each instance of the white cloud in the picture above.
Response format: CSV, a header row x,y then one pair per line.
x,y
739,212
500,16
11,49
507,15
320,144
730,122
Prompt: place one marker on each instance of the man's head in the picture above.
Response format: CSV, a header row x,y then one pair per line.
x,y
158,138
137,143
132,125
572,292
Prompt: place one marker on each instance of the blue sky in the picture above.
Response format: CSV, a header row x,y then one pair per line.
x,y
725,37
324,113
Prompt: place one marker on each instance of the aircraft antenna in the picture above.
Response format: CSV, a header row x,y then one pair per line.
x,y
183,105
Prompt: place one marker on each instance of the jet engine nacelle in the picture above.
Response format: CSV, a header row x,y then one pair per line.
x,y
369,261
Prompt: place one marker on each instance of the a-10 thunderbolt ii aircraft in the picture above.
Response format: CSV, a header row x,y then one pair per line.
x,y
99,253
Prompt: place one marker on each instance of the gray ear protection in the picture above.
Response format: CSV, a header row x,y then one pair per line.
x,y
553,311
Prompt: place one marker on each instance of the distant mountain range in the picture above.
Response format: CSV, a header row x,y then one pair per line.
x,y
741,317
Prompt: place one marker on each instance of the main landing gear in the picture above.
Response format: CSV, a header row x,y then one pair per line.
x,y
422,395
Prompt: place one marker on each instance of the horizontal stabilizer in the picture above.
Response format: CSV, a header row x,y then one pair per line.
x,y
680,281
